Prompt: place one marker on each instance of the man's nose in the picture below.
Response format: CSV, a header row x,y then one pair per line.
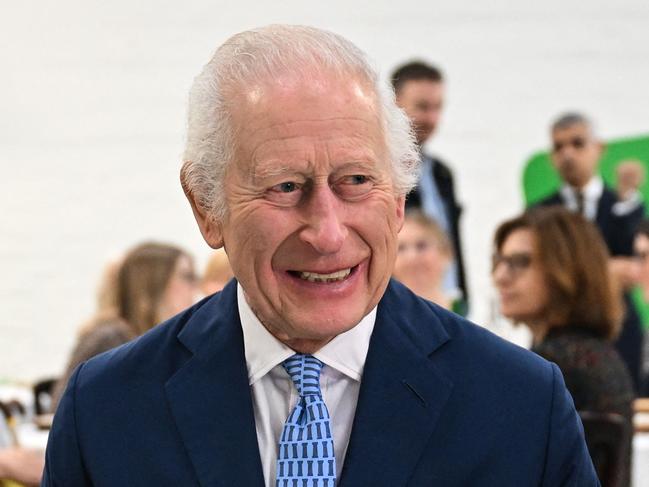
x,y
500,274
325,229
432,116
567,151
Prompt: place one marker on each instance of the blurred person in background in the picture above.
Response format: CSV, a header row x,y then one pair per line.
x,y
550,269
22,465
631,175
152,283
419,90
575,153
217,273
641,253
423,256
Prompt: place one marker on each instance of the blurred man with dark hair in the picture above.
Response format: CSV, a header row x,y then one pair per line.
x,y
419,90
575,153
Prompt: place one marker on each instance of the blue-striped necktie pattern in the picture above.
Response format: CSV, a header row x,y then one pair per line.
x,y
306,447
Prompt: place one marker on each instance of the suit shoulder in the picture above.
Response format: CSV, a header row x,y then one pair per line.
x,y
151,355
467,343
480,341
551,200
442,169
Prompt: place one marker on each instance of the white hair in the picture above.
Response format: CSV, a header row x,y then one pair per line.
x,y
258,56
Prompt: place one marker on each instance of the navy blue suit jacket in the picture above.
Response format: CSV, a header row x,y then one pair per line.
x,y
442,403
618,231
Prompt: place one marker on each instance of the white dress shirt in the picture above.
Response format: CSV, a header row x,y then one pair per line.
x,y
274,396
592,192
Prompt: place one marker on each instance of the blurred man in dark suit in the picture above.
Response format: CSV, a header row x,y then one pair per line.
x,y
419,90
575,153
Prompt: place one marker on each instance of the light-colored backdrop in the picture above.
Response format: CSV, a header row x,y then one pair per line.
x,y
92,108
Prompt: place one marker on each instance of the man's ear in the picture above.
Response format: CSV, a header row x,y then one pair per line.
x,y
401,210
210,227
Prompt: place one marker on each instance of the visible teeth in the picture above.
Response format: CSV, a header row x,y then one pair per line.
x,y
334,276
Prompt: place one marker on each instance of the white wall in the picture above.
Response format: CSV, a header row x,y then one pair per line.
x,y
92,99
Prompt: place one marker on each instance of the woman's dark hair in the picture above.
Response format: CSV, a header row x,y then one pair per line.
x,y
574,260
141,283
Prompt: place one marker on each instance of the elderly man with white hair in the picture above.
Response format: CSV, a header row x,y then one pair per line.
x,y
311,368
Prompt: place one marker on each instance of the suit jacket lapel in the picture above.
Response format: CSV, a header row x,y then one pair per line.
x,y
209,397
402,393
604,209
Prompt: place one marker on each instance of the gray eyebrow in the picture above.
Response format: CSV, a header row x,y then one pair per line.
x,y
266,171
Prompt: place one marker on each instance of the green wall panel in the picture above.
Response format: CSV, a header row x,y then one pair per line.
x,y
540,179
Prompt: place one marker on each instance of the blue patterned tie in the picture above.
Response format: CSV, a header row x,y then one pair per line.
x,y
306,447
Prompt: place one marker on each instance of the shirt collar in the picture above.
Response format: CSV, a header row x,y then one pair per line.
x,y
592,190
346,352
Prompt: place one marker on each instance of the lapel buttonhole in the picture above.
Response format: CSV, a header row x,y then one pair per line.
x,y
414,391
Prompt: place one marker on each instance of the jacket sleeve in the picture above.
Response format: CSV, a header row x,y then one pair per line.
x,y
568,462
63,460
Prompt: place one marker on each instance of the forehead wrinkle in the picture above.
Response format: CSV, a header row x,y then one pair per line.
x,y
271,134
280,127
347,148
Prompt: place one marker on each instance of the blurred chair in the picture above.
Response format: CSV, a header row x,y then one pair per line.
x,y
8,413
607,436
43,395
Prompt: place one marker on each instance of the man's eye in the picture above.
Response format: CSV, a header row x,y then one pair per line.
x,y
287,193
353,186
358,179
287,187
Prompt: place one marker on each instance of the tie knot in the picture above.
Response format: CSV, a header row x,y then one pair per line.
x,y
579,196
305,373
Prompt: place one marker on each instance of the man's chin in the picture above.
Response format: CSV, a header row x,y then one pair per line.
x,y
321,328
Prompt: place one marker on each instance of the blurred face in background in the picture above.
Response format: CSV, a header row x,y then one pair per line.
x,y
575,154
641,252
519,278
217,273
422,259
422,100
182,290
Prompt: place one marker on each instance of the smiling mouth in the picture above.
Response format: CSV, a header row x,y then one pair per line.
x,y
337,276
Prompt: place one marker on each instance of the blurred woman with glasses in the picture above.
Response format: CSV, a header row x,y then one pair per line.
x,y
550,268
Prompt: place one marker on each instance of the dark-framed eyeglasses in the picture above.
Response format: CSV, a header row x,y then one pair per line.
x,y
515,263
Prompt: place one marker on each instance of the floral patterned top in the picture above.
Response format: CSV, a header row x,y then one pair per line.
x,y
595,375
